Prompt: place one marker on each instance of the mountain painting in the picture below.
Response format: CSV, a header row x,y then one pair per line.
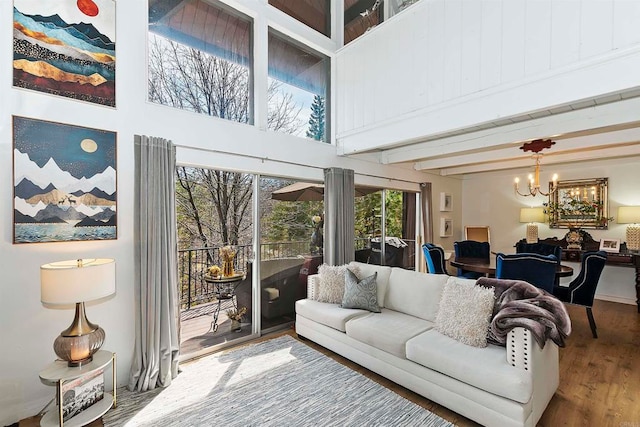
x,y
64,179
66,48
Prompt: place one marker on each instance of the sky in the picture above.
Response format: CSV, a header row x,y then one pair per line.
x,y
44,140
68,10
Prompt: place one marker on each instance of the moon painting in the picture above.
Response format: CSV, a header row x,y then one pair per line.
x,y
66,48
64,182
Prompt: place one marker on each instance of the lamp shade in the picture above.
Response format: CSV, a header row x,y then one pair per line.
x,y
628,215
531,215
69,282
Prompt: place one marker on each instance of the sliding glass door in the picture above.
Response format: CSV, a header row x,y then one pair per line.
x,y
215,252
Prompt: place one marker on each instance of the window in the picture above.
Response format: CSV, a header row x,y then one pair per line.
x,y
314,13
360,16
200,59
298,89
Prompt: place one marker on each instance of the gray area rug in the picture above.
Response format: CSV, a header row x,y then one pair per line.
x,y
279,382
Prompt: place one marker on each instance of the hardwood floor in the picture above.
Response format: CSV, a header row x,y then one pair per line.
x,y
599,378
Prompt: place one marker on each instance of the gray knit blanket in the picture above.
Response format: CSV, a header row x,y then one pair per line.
x,y
521,304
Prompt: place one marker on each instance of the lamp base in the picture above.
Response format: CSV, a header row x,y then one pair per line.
x,y
79,350
633,237
532,233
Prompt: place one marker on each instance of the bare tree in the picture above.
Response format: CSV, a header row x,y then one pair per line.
x,y
213,206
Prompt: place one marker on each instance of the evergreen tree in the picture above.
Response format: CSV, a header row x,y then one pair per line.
x,y
317,119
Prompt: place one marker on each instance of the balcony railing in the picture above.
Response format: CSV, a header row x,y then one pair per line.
x,y
194,262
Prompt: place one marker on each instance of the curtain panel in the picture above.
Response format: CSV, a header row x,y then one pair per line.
x,y
427,216
339,223
157,346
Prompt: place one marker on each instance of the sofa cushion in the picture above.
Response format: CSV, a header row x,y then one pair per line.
x,y
415,293
332,282
485,368
326,313
382,280
387,331
360,293
465,312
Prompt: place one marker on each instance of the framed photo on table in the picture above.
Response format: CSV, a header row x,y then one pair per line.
x,y
446,227
610,245
446,202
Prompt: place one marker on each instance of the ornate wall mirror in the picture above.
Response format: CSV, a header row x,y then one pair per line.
x,y
579,203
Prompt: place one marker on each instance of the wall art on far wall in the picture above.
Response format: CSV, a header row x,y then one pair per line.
x,y
446,202
64,179
66,48
446,227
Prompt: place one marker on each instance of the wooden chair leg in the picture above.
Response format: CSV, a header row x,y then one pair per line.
x,y
592,322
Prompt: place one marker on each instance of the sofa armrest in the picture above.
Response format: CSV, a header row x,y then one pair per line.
x,y
524,352
313,286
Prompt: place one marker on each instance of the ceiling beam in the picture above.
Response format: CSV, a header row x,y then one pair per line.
x,y
619,137
599,154
615,113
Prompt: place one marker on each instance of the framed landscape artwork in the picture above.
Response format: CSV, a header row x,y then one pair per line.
x,y
66,48
64,179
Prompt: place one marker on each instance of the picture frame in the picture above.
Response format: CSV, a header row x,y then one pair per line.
x,y
446,227
64,182
81,393
72,44
610,245
446,202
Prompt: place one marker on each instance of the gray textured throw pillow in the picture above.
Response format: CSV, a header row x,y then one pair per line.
x,y
331,287
361,294
465,312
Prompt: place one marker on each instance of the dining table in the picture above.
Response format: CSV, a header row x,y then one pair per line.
x,y
488,266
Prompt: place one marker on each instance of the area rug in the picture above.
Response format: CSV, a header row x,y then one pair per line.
x,y
279,382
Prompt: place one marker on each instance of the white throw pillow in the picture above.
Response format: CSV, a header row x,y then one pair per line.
x,y
332,282
465,312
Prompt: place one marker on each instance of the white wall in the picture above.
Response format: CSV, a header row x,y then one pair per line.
x,y
443,65
489,199
27,329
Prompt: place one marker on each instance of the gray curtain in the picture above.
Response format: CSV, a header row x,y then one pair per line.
x,y
155,360
427,216
339,217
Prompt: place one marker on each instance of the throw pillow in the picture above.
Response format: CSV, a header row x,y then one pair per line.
x,y
332,282
465,312
362,294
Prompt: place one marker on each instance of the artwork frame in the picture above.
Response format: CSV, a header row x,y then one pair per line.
x,y
64,182
66,49
610,245
446,227
446,202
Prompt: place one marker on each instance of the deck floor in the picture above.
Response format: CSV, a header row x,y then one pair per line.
x,y
196,331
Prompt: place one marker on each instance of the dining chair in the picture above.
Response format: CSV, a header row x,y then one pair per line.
x,y
434,255
539,270
471,249
582,289
539,248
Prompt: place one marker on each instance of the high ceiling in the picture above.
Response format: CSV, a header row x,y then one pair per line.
x,y
595,129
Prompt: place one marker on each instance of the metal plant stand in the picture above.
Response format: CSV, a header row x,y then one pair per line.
x,y
224,289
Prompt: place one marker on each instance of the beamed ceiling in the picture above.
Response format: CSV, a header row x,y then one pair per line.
x,y
596,129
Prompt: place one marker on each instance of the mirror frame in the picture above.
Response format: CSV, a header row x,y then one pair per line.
x,y
592,187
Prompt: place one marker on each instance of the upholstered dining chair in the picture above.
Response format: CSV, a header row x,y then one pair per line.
x,y
434,255
539,248
582,289
539,270
471,249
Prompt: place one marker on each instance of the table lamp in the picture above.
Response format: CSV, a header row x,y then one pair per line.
x,y
74,282
532,216
631,215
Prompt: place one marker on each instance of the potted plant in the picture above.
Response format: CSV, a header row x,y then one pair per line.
x,y
236,317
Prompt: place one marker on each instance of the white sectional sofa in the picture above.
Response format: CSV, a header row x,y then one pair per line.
x,y
493,385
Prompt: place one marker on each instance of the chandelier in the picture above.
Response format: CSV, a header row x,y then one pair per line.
x,y
536,146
